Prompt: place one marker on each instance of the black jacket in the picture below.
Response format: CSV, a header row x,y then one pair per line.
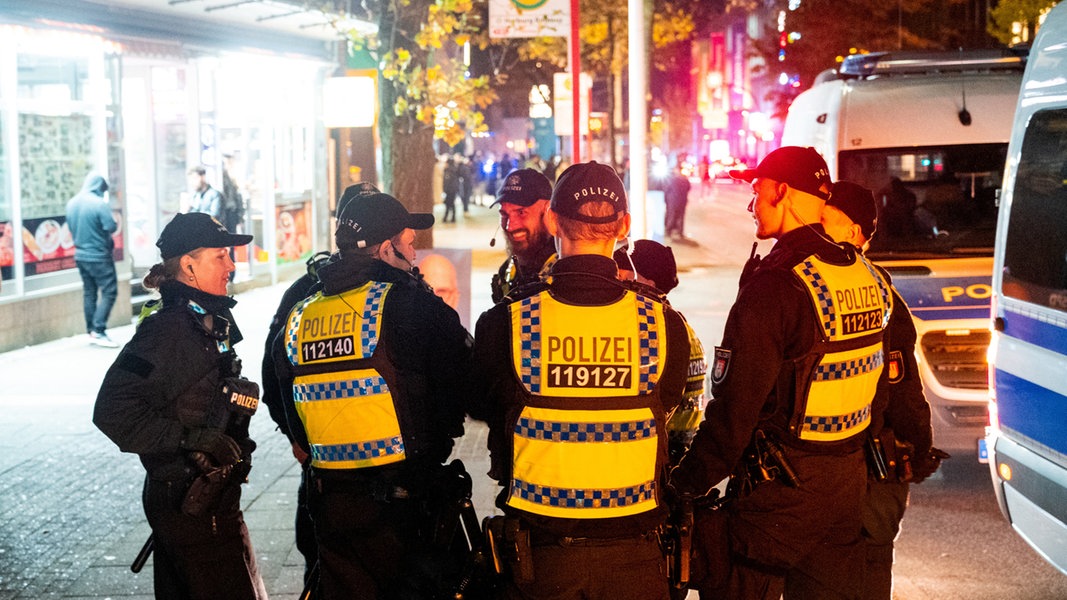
x,y
166,381
425,343
770,324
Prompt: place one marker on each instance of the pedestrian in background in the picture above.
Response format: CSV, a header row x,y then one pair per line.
x,y
903,444
580,449
374,364
91,226
206,199
175,396
523,198
676,198
450,182
275,397
796,383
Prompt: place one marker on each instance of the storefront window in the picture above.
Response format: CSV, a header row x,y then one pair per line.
x,y
55,155
7,236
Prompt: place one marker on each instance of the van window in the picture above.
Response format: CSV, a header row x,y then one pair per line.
x,y
932,201
1035,248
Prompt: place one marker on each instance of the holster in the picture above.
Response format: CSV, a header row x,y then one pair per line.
x,y
510,546
208,489
894,454
677,542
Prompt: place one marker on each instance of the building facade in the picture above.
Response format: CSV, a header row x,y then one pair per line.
x,y
141,95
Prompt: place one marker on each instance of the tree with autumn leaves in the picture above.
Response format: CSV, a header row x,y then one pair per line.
x,y
425,92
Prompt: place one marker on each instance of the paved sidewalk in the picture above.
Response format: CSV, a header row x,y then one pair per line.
x,y
70,501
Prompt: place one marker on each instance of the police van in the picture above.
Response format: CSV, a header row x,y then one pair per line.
x,y
1027,437
928,133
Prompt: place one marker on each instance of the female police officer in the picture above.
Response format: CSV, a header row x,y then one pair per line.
x,y
174,396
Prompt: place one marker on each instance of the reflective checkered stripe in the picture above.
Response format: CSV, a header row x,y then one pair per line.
x,y
529,339
852,304
563,350
348,413
349,418
584,464
583,499
830,371
649,337
830,425
820,294
323,329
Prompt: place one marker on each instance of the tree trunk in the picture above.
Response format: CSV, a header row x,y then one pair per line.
x,y
407,145
413,165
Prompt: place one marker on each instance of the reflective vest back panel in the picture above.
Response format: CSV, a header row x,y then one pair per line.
x,y
852,305
587,440
344,402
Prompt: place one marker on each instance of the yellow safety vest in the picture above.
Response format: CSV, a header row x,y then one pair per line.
x,y
852,305
587,442
344,402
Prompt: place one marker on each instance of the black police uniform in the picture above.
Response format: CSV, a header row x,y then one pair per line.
x,y
163,391
907,417
803,534
373,524
510,276
274,399
610,556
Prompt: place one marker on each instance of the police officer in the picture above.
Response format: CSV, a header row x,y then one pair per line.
x,y
794,384
904,442
273,397
374,363
523,198
577,378
169,397
651,264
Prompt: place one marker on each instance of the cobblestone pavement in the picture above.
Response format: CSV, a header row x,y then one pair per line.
x,y
70,501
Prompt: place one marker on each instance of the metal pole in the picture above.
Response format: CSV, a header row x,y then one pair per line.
x,y
638,119
576,84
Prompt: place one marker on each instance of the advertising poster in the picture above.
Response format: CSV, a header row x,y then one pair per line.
x,y
448,272
47,245
293,222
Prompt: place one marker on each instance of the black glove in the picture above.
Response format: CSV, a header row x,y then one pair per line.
x,y
222,448
925,465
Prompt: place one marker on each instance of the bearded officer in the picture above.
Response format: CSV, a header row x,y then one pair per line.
x,y
375,363
579,376
523,198
795,385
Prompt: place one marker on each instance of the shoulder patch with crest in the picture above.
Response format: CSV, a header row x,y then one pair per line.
x,y
721,364
895,366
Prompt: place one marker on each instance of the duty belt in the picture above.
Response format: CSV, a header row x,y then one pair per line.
x,y
381,491
540,538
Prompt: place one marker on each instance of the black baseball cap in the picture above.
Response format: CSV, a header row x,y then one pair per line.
x,y
588,182
376,217
651,260
800,168
356,189
524,187
857,202
188,231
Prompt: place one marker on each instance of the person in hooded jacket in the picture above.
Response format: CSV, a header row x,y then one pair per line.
x,y
175,397
91,225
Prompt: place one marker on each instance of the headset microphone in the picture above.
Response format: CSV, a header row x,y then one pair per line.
x,y
492,242
397,254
